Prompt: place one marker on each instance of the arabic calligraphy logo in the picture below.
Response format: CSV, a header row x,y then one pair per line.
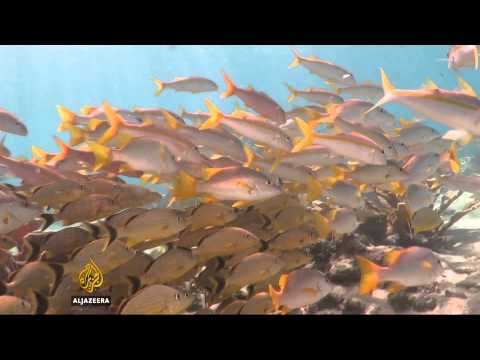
x,y
90,277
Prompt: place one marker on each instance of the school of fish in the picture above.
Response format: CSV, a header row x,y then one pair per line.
x,y
251,193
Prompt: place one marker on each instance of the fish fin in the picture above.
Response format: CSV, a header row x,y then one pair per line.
x,y
2,142
64,148
392,257
293,92
451,157
230,86
282,282
322,225
115,121
102,154
77,135
49,220
388,89
94,124
275,295
249,155
296,59
172,122
39,153
160,87
215,116
427,265
184,186
122,140
207,173
145,178
87,110
395,288
430,85
370,275
465,87
67,118
308,135
242,204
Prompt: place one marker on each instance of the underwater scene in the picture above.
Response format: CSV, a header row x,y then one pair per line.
x,y
242,179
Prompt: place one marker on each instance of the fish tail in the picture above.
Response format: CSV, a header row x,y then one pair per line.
x,y
275,295
370,275
102,154
39,153
160,87
296,59
293,93
67,118
184,186
171,121
77,135
115,121
335,88
230,86
451,157
94,124
216,115
388,89
64,148
308,134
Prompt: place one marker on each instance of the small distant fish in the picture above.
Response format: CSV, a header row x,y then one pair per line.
x,y
425,219
298,289
291,217
351,146
306,112
252,269
330,72
157,300
193,84
377,174
296,238
451,108
234,184
256,100
468,183
343,221
354,111
295,259
159,223
65,241
57,194
16,212
11,124
365,91
345,194
206,215
414,133
413,266
225,242
463,56
418,196
318,95
169,267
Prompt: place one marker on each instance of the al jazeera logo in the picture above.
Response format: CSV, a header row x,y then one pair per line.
x,y
90,279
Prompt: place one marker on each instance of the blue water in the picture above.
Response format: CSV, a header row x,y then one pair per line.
x,y
37,78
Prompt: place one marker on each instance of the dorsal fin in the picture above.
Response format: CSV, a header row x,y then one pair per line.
x,y
392,257
465,87
430,85
209,172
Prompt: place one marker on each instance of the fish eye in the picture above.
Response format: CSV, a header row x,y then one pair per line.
x,y
268,182
177,296
186,294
